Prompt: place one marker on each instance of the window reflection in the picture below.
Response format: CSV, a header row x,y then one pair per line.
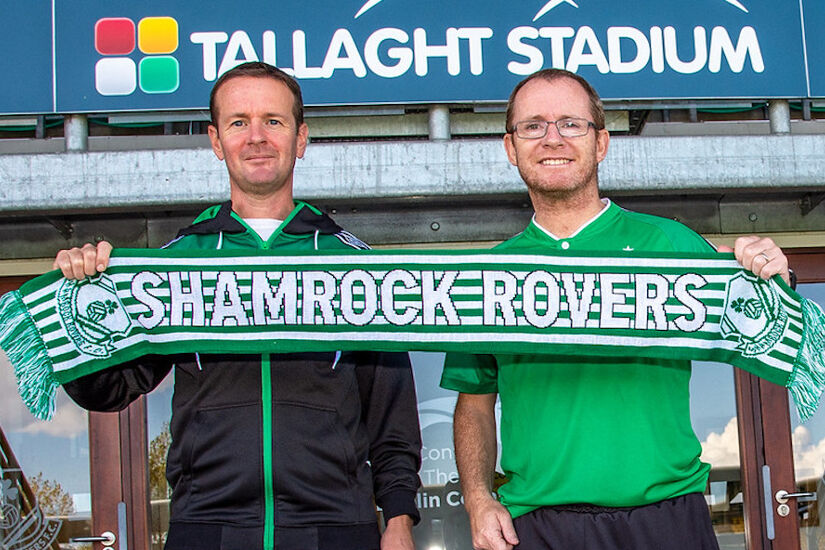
x,y
809,457
45,497
444,523
159,412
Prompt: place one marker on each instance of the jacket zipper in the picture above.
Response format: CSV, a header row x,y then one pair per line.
x,y
269,481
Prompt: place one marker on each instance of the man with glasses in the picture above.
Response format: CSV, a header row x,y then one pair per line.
x,y
599,452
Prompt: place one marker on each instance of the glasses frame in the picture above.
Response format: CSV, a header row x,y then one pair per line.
x,y
565,133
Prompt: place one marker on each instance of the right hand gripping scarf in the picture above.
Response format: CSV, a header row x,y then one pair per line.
x,y
699,306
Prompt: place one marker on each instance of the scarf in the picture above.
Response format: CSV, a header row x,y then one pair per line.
x,y
687,306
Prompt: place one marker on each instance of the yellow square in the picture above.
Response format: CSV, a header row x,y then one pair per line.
x,y
157,35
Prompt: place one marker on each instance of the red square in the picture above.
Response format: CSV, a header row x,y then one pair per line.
x,y
115,36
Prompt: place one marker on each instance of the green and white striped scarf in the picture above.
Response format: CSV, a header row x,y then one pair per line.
x,y
159,301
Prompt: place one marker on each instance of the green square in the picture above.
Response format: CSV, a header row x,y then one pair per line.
x,y
159,74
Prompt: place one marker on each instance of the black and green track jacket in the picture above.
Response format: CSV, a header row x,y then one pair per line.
x,y
284,450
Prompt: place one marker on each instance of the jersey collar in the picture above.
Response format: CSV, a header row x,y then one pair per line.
x,y
594,224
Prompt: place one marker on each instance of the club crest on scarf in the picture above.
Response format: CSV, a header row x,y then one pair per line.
x,y
753,315
92,314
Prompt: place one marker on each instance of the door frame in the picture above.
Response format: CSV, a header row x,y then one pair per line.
x,y
119,473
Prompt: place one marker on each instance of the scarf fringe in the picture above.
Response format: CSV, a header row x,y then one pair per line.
x,y
26,351
808,379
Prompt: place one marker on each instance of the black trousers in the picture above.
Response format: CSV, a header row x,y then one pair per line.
x,y
210,536
681,523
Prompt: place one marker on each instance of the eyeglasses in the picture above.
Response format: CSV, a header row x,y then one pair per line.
x,y
567,127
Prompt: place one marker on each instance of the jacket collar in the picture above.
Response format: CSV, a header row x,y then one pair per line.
x,y
303,220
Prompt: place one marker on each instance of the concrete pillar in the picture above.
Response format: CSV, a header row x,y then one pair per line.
x,y
439,122
779,114
76,132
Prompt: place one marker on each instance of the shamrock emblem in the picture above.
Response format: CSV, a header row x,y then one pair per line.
x,y
9,514
8,491
751,307
97,310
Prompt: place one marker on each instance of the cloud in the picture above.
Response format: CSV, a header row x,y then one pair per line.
x,y
69,419
12,410
167,384
722,450
809,458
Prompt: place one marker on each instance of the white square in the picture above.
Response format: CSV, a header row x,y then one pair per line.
x,y
115,76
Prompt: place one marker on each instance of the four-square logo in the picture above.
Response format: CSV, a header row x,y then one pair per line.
x,y
155,73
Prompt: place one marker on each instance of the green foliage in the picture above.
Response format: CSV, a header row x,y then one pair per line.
x,y
158,486
52,499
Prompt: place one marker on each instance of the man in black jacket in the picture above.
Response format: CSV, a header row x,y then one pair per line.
x,y
287,451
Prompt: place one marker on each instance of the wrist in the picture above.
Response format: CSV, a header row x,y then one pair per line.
x,y
401,521
477,498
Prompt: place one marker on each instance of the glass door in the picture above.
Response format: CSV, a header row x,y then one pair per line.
x,y
65,483
45,496
45,493
808,441
786,459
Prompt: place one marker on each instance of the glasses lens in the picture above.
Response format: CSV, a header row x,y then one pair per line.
x,y
572,127
531,129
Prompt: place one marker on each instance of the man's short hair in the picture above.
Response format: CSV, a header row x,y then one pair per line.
x,y
259,69
596,107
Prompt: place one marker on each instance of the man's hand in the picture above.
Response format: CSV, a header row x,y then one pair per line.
x,y
79,263
491,525
474,432
398,534
761,256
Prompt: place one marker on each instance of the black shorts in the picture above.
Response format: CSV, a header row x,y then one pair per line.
x,y
681,523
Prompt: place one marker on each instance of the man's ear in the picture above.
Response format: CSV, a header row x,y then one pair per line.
x,y
602,143
302,139
215,141
510,148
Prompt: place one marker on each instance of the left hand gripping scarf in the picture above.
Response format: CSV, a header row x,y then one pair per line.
x,y
699,306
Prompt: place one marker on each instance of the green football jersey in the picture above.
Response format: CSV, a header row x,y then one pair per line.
x,y
608,431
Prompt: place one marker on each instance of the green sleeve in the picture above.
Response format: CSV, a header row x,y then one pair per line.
x,y
683,238
468,373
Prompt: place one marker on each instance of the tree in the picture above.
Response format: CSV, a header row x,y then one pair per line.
x,y
158,486
52,499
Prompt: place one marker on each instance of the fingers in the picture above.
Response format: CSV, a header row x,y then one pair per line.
x,y
508,531
492,528
761,256
104,250
88,260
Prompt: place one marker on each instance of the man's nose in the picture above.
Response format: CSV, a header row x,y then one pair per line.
x,y
257,132
552,137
